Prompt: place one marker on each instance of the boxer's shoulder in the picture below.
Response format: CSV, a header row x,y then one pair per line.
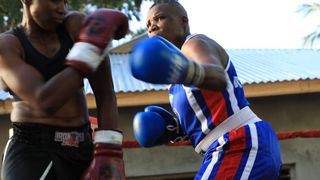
x,y
8,39
9,43
201,48
73,22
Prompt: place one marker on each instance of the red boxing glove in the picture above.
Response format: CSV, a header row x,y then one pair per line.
x,y
107,160
98,30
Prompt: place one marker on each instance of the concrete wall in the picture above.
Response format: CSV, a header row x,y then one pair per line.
x,y
293,113
284,113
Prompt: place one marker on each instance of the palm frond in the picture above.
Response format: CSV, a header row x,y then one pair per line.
x,y
312,39
306,9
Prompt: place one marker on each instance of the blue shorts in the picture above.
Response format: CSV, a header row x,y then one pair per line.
x,y
250,152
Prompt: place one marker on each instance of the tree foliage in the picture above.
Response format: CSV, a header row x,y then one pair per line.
x,y
313,37
11,10
10,13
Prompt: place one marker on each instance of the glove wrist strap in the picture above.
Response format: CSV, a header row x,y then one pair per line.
x,y
196,74
108,137
85,52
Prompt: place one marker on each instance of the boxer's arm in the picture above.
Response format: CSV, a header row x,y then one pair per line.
x,y
97,30
158,61
211,56
106,24
100,80
28,84
107,137
103,89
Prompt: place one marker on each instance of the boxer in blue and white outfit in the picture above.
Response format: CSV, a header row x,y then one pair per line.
x,y
207,98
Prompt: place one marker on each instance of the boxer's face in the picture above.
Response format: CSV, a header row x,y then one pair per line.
x,y
47,14
164,20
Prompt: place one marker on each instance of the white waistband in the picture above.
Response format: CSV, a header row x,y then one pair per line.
x,y
241,118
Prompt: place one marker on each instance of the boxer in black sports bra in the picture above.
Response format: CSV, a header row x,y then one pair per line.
x,y
52,134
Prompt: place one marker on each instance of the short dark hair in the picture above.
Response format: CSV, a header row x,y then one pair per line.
x,y
175,2
170,2
165,1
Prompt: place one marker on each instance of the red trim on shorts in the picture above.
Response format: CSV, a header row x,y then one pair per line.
x,y
233,155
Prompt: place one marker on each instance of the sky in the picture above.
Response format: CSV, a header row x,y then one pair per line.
x,y
251,24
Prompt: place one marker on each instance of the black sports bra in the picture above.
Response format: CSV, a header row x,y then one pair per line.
x,y
48,67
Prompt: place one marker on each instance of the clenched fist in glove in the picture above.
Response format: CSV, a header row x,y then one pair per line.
x,y
99,28
158,61
107,160
156,126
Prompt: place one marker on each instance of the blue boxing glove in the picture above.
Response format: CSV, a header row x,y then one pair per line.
x,y
156,126
156,60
